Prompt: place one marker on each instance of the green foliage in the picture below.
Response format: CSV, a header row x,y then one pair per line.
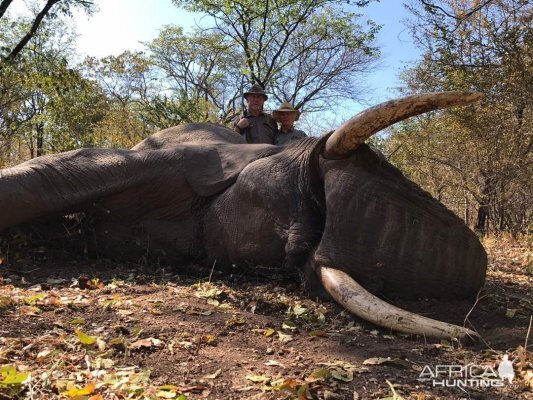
x,y
118,127
47,106
124,78
11,381
475,159
164,111
41,13
201,69
139,103
306,51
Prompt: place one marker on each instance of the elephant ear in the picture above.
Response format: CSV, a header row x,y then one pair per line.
x,y
212,169
74,181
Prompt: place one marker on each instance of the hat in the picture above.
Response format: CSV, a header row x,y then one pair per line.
x,y
257,90
285,107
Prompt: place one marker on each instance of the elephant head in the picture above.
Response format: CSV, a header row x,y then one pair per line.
x,y
394,233
330,207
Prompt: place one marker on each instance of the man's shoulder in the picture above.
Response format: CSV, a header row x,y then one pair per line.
x,y
299,133
267,115
269,119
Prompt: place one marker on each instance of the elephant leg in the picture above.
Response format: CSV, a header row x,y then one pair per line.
x,y
302,238
311,282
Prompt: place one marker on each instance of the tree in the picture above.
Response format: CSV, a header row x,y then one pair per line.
x,y
127,84
200,68
35,76
478,159
51,9
47,105
138,100
304,51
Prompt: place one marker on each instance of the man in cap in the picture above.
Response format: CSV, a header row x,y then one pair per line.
x,y
255,125
286,115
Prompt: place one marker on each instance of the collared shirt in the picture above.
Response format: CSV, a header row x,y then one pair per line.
x,y
283,138
262,128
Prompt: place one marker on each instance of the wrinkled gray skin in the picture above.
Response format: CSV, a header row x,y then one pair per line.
x,y
198,193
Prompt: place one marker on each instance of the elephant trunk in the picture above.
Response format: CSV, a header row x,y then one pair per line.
x,y
63,183
347,292
355,131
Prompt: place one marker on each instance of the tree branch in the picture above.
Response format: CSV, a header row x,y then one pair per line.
x,y
36,23
3,6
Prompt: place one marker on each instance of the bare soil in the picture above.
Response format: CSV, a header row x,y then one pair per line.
x,y
96,329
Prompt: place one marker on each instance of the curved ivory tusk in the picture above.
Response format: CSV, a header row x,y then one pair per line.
x,y
356,130
356,299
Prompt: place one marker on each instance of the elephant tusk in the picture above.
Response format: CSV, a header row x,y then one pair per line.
x,y
356,299
356,130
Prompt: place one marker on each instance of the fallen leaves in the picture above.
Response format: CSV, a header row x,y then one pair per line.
x,y
77,321
170,392
74,363
313,313
32,300
340,370
395,395
258,378
207,291
176,340
269,332
44,355
194,311
214,375
395,362
235,320
318,333
300,390
285,338
11,380
147,343
76,392
319,374
6,302
85,338
527,376
10,376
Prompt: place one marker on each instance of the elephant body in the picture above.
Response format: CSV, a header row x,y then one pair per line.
x,y
198,194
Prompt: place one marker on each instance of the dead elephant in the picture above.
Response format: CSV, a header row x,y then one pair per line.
x,y
330,207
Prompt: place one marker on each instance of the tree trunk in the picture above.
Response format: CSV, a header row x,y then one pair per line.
x,y
40,139
206,105
483,212
466,214
482,217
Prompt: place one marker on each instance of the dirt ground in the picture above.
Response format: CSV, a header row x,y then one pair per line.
x,y
85,329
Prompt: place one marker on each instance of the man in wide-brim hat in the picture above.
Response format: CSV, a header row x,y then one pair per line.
x,y
256,125
286,115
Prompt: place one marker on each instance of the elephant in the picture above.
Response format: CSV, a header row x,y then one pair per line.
x,y
331,208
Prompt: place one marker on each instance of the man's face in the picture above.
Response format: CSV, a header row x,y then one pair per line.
x,y
287,118
255,101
